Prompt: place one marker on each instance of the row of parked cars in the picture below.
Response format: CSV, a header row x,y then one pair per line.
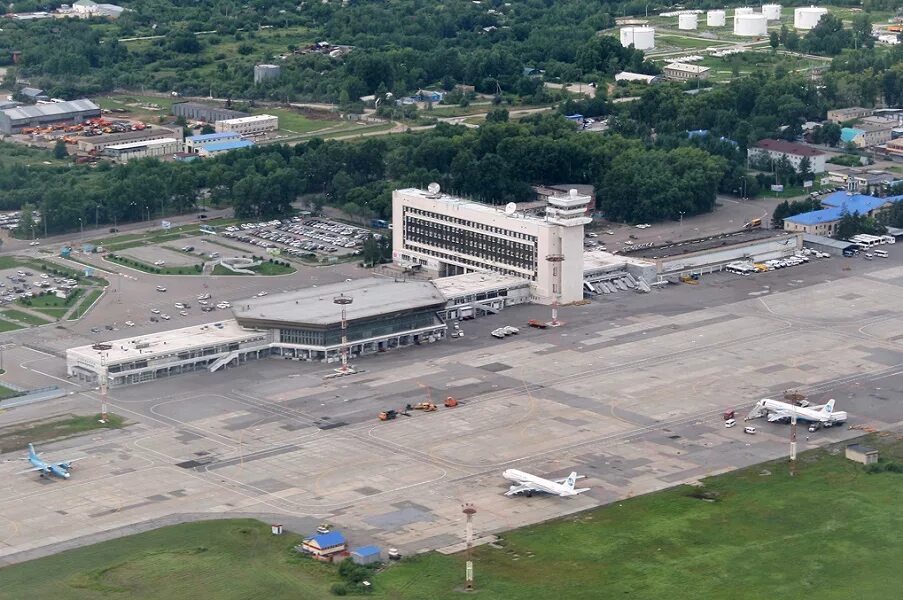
x,y
297,236
20,287
749,268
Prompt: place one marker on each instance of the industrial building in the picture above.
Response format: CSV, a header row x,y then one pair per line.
x,y
196,142
870,131
123,153
684,72
793,152
266,73
861,454
714,252
445,235
825,244
841,115
195,111
13,120
221,147
97,143
637,77
252,125
863,181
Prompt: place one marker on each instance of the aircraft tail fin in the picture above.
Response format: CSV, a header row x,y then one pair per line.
x,y
31,452
571,481
829,407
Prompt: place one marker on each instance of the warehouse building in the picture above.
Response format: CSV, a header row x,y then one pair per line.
x,y
793,152
842,115
97,143
826,244
475,294
712,253
221,147
14,120
444,235
123,153
196,142
195,111
253,125
684,72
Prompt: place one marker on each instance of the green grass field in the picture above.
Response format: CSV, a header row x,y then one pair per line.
x,y
831,532
8,326
86,303
294,122
15,437
23,317
143,266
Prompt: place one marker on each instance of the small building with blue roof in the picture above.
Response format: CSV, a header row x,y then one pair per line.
x,y
825,221
196,142
220,147
325,545
365,555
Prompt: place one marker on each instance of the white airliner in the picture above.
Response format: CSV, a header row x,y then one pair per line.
x,y
782,411
527,484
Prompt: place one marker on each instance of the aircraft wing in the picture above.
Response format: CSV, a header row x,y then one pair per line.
x,y
577,491
65,463
521,488
31,470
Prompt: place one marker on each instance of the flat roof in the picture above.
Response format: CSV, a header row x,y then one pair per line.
x,y
167,342
370,297
126,136
472,283
463,203
60,109
825,241
594,260
679,66
707,243
156,142
210,137
229,145
251,119
861,448
787,147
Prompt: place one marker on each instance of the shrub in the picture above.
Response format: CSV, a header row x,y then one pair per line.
x,y
339,589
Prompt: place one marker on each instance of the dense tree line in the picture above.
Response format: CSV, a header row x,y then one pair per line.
x,y
399,47
496,163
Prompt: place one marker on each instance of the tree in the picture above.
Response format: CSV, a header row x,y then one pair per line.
x,y
59,150
774,40
26,227
830,133
497,115
207,128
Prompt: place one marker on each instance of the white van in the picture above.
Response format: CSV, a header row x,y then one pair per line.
x,y
880,253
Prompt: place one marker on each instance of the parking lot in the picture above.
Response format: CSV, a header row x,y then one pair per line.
x,y
300,236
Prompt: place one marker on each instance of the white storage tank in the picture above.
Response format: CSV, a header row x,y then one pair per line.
x,y
687,21
808,17
642,38
715,18
750,25
742,10
772,12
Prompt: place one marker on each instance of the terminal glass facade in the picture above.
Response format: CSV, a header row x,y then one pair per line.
x,y
453,239
375,327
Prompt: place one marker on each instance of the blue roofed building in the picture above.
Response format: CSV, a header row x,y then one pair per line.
x,y
825,221
365,555
220,147
194,143
325,545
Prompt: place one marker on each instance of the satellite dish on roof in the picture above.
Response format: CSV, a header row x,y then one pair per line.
x,y
510,208
433,188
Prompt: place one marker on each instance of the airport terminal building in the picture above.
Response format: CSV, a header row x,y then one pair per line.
x,y
302,325
444,235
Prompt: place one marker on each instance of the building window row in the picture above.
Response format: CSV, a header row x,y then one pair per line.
x,y
468,223
457,241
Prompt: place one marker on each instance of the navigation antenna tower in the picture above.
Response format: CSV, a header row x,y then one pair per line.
x,y
469,512
555,260
103,390
343,301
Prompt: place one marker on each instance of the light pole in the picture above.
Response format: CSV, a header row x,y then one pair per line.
x,y
81,227
343,301
680,229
